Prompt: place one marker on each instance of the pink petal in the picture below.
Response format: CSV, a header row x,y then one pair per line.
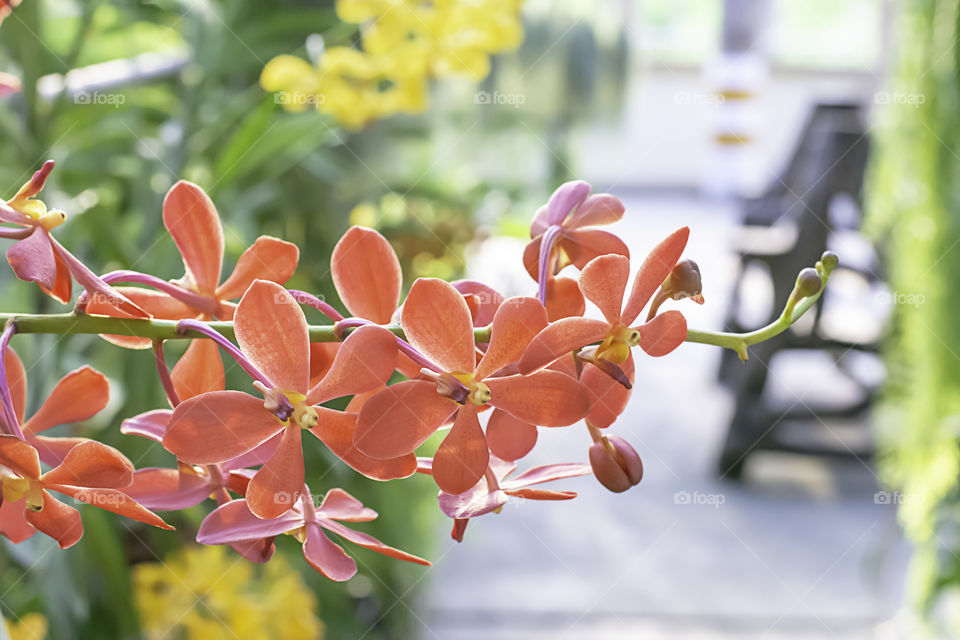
x,y
32,259
598,209
168,489
470,504
340,505
547,473
234,522
486,300
654,270
327,558
565,199
369,542
279,483
152,424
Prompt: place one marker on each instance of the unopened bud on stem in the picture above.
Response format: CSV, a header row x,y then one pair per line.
x,y
615,463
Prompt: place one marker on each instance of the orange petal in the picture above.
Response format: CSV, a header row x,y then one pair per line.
x,y
115,502
531,258
608,398
603,282
268,258
13,521
516,323
52,451
19,457
583,245
279,483
366,273
17,381
559,338
199,370
463,456
598,209
321,359
272,332
564,299
79,395
158,304
664,333
92,464
654,270
365,361
546,398
57,520
508,438
215,427
335,429
397,420
437,322
192,220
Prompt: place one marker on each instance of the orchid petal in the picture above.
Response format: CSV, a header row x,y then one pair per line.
x,y
215,427
268,258
233,522
32,259
366,273
437,322
279,483
168,489
566,199
398,419
57,520
473,503
191,218
92,464
603,282
16,381
272,332
326,557
198,370
157,303
19,457
369,542
560,338
664,333
340,505
598,209
152,424
90,281
486,300
52,451
365,361
564,299
508,437
608,398
583,245
78,396
13,521
547,473
462,457
546,398
116,502
654,270
336,430
516,323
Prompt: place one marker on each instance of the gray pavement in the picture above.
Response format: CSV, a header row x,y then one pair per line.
x,y
799,550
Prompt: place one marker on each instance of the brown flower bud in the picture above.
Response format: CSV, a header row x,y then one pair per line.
x,y
808,283
615,463
684,282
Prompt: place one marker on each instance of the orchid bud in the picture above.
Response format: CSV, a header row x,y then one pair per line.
x,y
684,282
615,463
808,283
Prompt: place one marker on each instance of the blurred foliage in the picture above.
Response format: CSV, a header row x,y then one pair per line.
x,y
428,181
914,204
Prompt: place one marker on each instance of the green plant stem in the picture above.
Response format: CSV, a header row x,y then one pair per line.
x,y
68,323
739,342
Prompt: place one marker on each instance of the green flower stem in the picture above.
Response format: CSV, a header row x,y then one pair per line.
x,y
795,308
68,323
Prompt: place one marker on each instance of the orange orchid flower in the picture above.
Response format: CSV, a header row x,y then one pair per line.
x,y
91,472
272,333
79,395
192,219
562,234
437,321
6,8
38,257
604,282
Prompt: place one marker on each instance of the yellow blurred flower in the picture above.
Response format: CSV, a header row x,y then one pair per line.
x,y
32,626
207,593
404,44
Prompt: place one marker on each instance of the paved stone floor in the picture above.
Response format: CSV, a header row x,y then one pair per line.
x,y
799,550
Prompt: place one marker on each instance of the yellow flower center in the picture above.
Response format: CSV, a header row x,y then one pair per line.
x,y
304,415
479,392
37,211
616,346
15,488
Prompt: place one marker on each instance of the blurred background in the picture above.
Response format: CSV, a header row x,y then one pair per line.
x,y
810,492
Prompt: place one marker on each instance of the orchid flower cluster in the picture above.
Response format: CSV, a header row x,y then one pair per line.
x,y
450,354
